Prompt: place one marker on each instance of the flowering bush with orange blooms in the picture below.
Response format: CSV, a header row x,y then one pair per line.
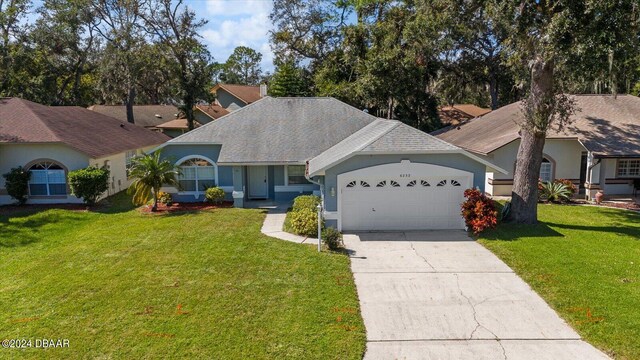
x,y
479,211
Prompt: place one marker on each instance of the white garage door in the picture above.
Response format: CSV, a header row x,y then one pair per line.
x,y
402,196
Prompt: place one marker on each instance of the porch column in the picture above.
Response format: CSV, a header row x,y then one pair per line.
x,y
238,186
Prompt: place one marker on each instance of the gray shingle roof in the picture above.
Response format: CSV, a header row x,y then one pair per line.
x,y
383,136
279,130
604,124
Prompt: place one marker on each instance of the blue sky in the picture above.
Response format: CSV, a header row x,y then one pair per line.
x,y
231,23
234,23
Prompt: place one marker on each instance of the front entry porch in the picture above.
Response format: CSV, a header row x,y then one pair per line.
x,y
273,185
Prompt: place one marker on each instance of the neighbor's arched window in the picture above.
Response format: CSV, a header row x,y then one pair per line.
x,y
47,179
546,170
198,174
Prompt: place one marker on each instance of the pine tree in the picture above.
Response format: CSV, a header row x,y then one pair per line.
x,y
287,81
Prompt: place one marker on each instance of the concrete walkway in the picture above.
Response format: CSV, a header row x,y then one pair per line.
x,y
274,221
440,295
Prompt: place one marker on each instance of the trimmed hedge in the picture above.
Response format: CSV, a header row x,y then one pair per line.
x,y
309,202
305,222
89,183
214,195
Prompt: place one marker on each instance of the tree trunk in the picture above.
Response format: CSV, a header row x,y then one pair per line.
x,y
130,100
493,89
188,112
538,112
155,200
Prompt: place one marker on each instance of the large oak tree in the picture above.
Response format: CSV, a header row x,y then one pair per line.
x,y
554,40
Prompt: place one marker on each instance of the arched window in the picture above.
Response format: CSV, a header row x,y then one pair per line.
x,y
198,174
546,170
48,178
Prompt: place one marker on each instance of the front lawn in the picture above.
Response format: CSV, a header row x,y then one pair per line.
x,y
585,262
121,284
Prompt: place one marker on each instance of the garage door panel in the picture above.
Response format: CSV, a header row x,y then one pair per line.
x,y
408,202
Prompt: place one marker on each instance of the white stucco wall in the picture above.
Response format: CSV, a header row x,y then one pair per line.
x,y
14,155
565,153
117,166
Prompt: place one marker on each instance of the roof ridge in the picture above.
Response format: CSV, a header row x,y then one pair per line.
x,y
376,138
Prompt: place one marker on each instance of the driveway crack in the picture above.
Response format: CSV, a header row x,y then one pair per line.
x,y
475,318
423,258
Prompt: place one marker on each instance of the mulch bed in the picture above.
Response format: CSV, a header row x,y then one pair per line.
x,y
183,207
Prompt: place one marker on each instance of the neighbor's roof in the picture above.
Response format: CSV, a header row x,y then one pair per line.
x,y
143,115
279,130
606,125
246,93
458,113
89,132
180,124
386,137
214,111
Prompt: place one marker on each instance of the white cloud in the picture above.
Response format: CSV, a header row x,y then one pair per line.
x,y
239,23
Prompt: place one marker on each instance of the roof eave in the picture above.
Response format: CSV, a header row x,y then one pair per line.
x,y
321,171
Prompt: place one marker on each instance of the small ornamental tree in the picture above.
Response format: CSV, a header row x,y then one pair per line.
x,y
479,211
89,183
17,184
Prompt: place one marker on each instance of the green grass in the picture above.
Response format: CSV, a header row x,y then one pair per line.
x,y
585,262
112,281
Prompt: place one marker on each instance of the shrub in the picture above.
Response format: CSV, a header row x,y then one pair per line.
x,y
479,211
214,195
309,202
555,192
332,238
573,189
89,183
305,222
165,198
17,184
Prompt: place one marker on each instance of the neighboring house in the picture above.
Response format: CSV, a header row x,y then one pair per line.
x,y
208,113
233,97
176,127
598,149
373,174
147,116
53,140
460,113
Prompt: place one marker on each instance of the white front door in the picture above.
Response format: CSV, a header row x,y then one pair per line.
x,y
258,185
404,196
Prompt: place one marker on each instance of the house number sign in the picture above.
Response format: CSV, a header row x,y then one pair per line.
x,y
405,175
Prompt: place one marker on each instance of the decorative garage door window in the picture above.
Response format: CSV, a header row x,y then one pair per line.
x,y
47,179
397,183
197,175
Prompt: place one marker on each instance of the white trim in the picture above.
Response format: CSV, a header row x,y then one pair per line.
x,y
294,188
266,163
424,152
197,192
330,215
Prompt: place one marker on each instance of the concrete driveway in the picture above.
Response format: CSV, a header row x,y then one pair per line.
x,y
440,295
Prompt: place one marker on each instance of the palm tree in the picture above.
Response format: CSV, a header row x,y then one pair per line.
x,y
150,173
